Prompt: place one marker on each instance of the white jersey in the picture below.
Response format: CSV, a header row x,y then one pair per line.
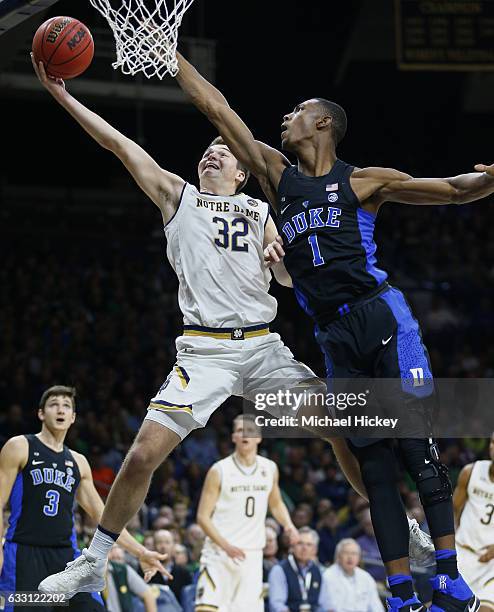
x,y
240,512
476,528
215,246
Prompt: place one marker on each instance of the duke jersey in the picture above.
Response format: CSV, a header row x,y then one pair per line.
x,y
42,498
215,246
328,239
476,528
240,512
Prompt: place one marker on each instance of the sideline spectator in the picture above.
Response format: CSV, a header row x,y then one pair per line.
x,y
370,553
123,583
345,586
295,583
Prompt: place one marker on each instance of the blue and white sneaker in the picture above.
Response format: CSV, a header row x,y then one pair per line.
x,y
396,604
452,595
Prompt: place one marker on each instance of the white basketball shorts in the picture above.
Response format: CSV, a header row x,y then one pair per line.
x,y
225,585
478,576
210,370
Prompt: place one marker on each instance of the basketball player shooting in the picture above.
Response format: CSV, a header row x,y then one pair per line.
x,y
473,502
41,477
232,511
226,347
327,211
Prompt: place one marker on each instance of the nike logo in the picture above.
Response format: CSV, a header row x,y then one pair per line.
x,y
474,605
427,460
284,208
417,609
384,344
37,462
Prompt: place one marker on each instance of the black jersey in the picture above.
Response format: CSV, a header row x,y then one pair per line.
x,y
42,498
328,240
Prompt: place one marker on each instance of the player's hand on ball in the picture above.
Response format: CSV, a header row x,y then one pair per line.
x,y
487,169
150,562
274,252
488,554
53,85
292,533
237,554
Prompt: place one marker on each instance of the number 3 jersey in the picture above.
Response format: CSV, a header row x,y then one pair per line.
x,y
215,246
42,498
476,528
240,512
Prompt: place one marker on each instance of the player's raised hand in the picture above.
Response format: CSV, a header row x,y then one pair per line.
x,y
488,553
292,533
274,252
54,86
487,169
150,562
237,554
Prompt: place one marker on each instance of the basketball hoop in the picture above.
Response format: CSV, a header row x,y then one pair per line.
x,y
146,36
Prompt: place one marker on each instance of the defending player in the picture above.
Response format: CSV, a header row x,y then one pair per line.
x,y
473,502
42,478
327,211
215,237
232,511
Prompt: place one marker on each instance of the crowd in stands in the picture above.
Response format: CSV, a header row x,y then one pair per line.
x,y
92,303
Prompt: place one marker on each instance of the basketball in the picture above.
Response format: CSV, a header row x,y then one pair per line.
x,y
65,46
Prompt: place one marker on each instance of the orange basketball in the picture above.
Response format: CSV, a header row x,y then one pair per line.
x,y
65,46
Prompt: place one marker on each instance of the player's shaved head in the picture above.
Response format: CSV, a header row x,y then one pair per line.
x,y
338,116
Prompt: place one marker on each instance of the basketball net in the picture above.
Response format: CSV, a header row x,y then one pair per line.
x,y
146,36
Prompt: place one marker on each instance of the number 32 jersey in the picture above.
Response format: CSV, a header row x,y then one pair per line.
x,y
42,498
240,512
215,246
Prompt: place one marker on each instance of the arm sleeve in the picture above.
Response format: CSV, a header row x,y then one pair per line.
x,y
137,586
278,590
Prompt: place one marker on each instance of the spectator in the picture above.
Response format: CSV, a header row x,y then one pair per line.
x,y
295,583
103,475
180,555
345,586
269,560
330,533
123,583
164,543
194,540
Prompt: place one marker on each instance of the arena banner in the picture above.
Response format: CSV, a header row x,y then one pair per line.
x,y
415,407
445,34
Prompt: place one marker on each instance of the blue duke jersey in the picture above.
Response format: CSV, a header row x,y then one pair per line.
x,y
328,239
42,498
215,246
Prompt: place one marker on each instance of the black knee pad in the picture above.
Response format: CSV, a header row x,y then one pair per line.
x,y
433,483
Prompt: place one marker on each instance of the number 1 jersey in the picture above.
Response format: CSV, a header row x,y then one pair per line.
x,y
215,246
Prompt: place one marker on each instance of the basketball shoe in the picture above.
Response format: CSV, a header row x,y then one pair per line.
x,y
396,604
452,595
421,551
86,574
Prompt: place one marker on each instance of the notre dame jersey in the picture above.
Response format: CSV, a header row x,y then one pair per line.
x,y
328,239
42,498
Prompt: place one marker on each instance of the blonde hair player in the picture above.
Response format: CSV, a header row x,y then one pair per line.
x,y
473,502
216,238
237,493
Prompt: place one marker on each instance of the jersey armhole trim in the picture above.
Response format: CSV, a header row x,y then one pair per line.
x,y
178,206
347,188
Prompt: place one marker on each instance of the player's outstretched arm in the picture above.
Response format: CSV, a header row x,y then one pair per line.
x,y
13,458
278,509
209,497
274,253
162,187
88,498
460,495
392,185
267,164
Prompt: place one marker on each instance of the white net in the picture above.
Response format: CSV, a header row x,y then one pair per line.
x,y
146,33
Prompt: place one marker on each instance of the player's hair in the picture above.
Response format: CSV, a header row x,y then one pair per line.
x,y
313,533
247,417
219,141
345,542
338,115
58,390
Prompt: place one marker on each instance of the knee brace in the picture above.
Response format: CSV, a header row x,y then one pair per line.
x,y
433,483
